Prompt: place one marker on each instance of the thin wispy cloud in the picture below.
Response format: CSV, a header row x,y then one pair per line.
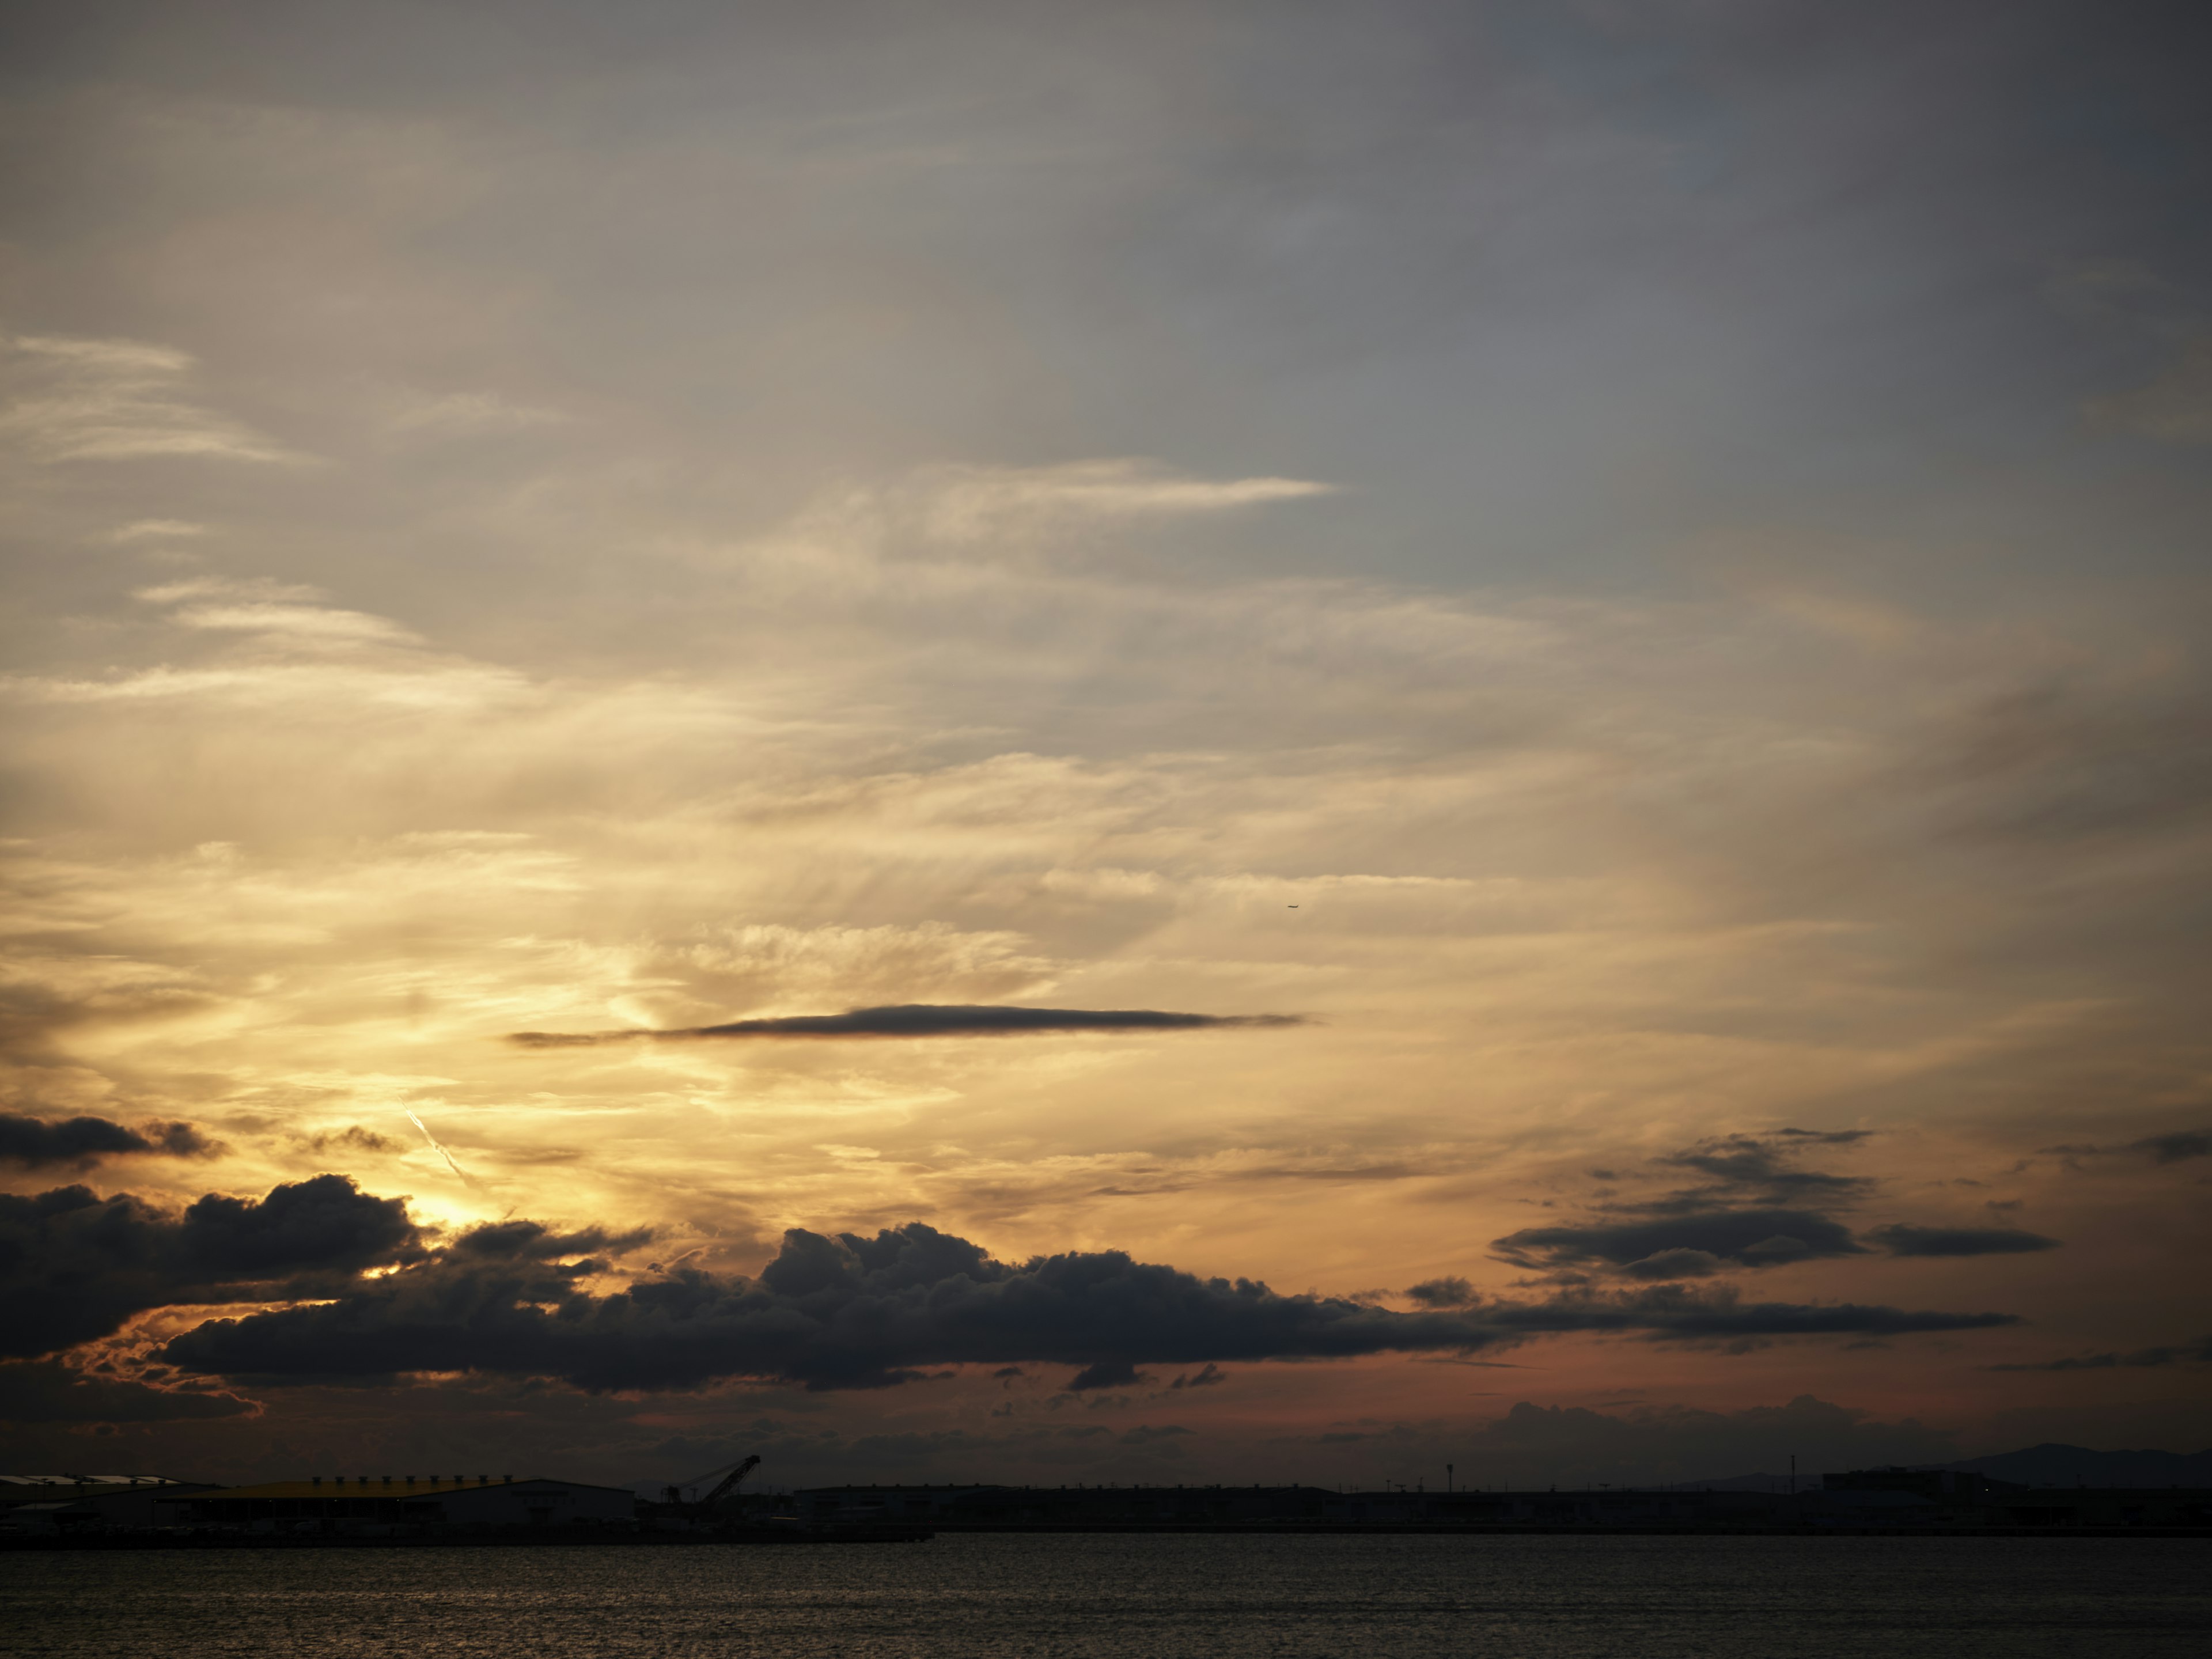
x,y
256,590
158,529
460,414
300,622
272,609
968,503
2176,408
295,686
72,399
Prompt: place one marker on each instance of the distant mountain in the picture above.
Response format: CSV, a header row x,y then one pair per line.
x,y
2052,1465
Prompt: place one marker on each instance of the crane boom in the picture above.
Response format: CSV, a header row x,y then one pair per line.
x,y
735,1473
730,1480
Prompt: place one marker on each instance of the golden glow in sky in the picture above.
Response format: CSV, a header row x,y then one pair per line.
x,y
1670,755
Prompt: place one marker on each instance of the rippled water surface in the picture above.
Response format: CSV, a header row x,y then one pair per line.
x,y
1525,1597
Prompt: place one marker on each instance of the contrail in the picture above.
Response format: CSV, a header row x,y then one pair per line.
x,y
457,1169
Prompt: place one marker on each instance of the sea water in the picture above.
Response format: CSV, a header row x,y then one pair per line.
x,y
1515,1596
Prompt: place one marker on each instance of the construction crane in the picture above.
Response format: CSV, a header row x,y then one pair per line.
x,y
732,1474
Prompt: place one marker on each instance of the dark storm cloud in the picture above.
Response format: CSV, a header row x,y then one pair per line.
x,y
1683,1245
830,1312
2198,1352
36,1143
528,1241
1902,1239
850,1311
47,1391
920,1020
74,1266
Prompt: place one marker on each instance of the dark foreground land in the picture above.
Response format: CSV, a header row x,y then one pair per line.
x,y
342,1514
1108,1595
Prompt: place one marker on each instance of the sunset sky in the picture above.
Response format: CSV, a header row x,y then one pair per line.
x,y
1611,599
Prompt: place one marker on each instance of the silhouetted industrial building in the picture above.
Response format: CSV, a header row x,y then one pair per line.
x,y
391,1503
70,1503
35,1509
1936,1501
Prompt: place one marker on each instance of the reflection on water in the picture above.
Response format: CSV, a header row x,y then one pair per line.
x,y
1517,1597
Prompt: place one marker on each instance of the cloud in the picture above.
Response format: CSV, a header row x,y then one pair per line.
x,y
274,611
1681,1313
251,590
456,413
2178,1147
48,1391
1107,1374
38,1143
1747,1239
849,1311
74,1266
971,503
2189,1353
1905,1240
140,529
921,1020
112,400
1145,1433
1450,1291
354,1137
2076,760
2176,408
1747,1166
314,623
829,1312
1682,1262
532,1240
1208,1377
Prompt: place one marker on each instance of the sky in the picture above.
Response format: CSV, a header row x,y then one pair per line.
x,y
1195,742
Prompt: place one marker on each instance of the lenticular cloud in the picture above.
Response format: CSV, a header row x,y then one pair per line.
x,y
920,1019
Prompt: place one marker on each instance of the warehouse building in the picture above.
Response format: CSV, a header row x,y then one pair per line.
x,y
393,1504
45,1503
